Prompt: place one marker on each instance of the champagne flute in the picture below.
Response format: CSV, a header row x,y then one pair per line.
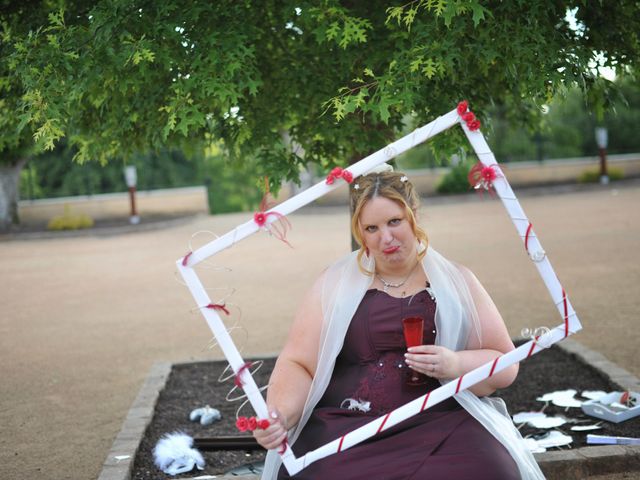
x,y
413,328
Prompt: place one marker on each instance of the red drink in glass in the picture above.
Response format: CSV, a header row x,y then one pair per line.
x,y
413,328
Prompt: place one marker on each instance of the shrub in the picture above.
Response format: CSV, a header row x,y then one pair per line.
x,y
593,175
70,221
456,180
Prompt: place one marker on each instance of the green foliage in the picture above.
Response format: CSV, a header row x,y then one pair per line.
x,y
455,180
55,174
567,130
28,186
231,188
116,77
593,175
70,221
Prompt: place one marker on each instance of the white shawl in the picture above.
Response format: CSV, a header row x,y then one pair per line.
x,y
344,287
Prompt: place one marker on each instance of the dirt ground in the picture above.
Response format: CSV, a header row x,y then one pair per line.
x,y
83,319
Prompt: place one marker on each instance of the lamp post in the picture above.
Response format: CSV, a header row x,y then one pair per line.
x,y
131,178
602,138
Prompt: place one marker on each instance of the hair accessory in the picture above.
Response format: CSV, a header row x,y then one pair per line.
x,y
385,167
356,187
404,178
339,173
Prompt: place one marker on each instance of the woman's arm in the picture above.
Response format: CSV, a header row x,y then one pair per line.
x,y
294,370
492,341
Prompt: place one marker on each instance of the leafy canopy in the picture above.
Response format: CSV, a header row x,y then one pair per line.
x,y
340,78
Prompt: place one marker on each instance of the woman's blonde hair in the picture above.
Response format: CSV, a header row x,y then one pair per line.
x,y
392,185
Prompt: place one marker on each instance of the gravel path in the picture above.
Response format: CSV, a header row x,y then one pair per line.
x,y
83,319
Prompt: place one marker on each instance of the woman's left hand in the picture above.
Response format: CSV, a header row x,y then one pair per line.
x,y
434,361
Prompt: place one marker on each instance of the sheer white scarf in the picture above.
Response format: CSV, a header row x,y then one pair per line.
x,y
344,287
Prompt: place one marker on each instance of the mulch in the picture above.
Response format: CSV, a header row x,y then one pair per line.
x,y
196,384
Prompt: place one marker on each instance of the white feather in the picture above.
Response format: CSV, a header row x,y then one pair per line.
x,y
174,454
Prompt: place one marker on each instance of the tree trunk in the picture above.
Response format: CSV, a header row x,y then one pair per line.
x,y
9,181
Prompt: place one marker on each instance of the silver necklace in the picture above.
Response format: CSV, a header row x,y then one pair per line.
x,y
388,285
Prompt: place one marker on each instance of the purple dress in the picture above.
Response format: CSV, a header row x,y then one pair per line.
x,y
443,442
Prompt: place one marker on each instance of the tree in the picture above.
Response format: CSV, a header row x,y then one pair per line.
x,y
338,78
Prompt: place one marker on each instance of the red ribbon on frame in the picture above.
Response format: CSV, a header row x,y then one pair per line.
x,y
483,176
185,259
279,227
218,306
237,380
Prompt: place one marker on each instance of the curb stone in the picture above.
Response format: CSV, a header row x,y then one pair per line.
x,y
128,440
101,231
559,464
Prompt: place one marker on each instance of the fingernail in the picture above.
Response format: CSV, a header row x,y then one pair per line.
x,y
274,415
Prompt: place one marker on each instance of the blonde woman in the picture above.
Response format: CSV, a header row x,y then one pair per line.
x,y
346,363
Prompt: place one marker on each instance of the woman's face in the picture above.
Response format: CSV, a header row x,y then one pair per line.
x,y
386,231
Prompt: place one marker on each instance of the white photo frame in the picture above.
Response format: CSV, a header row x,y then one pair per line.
x,y
570,322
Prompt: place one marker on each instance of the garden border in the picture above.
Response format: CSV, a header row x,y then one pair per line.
x,y
576,463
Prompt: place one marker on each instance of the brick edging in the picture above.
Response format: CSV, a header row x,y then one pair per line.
x,y
135,424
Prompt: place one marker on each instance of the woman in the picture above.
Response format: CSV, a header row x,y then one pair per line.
x,y
345,362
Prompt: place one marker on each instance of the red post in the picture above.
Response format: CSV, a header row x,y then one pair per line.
x,y
132,198
604,177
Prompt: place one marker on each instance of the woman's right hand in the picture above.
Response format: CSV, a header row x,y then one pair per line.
x,y
273,436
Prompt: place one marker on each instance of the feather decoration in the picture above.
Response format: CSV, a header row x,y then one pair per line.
x,y
173,454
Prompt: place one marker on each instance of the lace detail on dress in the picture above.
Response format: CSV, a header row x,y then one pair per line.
x,y
389,369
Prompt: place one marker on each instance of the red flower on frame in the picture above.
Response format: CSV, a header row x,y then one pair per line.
x,y
338,172
279,227
260,218
488,174
252,424
242,424
263,424
482,176
474,125
468,116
